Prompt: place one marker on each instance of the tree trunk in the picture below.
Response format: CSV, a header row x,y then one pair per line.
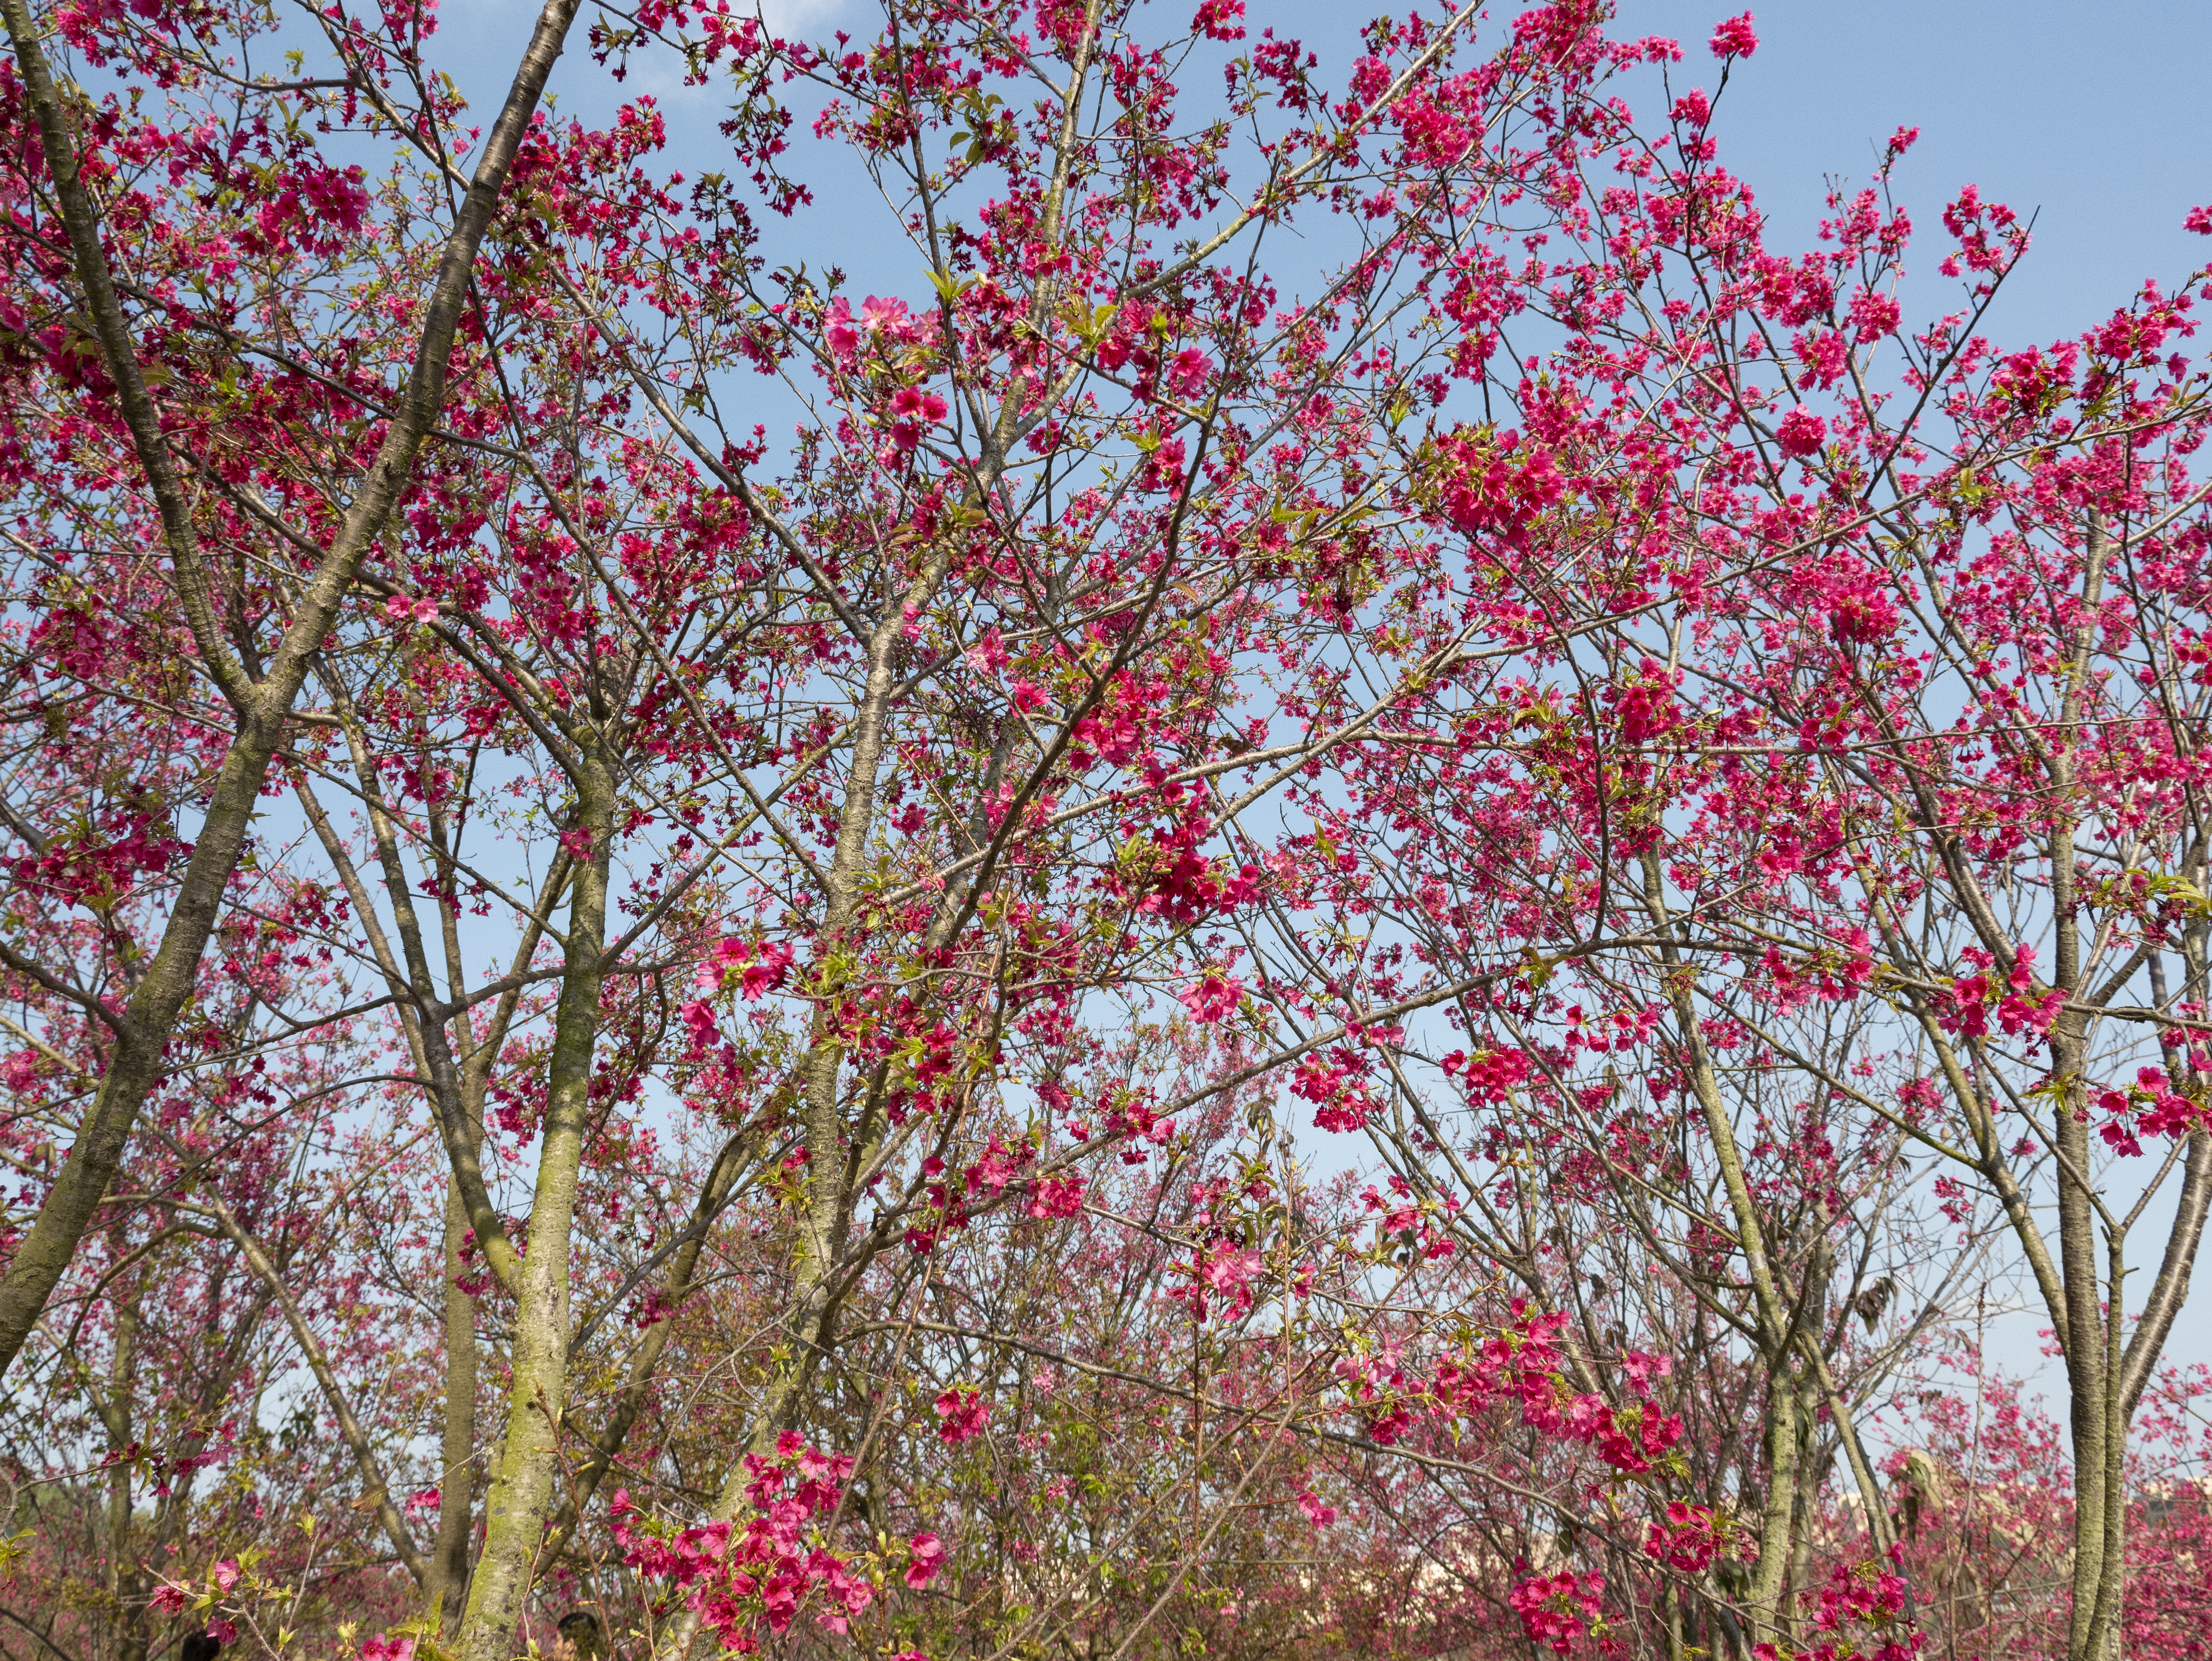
x,y
521,1494
126,1581
449,1558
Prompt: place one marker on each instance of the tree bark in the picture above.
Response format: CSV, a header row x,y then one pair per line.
x,y
449,1557
521,1494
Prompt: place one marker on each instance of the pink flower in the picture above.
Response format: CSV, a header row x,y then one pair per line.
x,y
1319,1515
928,1556
1875,315
224,1574
170,1599
727,952
699,1022
1231,1273
771,964
1555,1612
888,318
1057,1196
2198,220
766,963
912,401
1217,20
1800,433
1214,998
1861,612
1733,38
1688,1540
844,339
989,653
965,1413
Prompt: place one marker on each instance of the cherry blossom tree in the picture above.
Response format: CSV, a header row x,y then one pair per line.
x,y
1922,761
830,862
138,239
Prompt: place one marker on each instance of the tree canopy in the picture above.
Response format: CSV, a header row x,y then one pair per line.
x,y
1359,891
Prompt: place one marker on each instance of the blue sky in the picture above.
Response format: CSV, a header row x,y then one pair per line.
x,y
2092,116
